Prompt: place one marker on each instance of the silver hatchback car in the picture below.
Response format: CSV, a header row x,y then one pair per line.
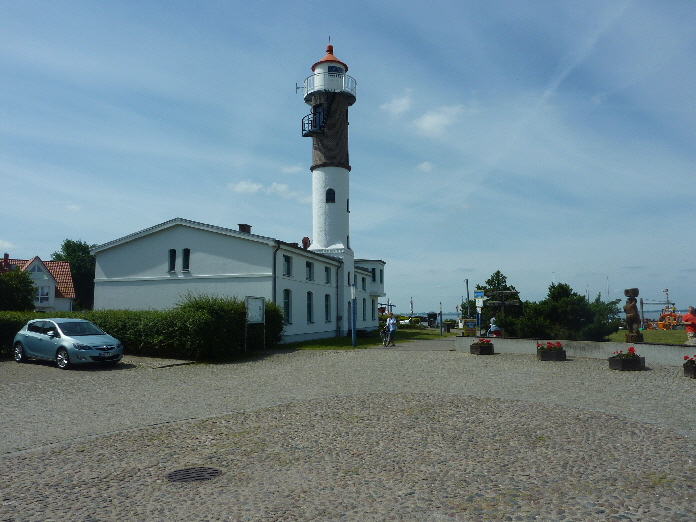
x,y
67,342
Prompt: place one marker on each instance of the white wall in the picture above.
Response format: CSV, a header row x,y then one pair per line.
x,y
134,275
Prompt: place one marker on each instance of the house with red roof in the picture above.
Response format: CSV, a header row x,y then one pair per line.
x,y
52,279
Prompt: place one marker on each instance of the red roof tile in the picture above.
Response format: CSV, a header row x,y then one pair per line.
x,y
59,270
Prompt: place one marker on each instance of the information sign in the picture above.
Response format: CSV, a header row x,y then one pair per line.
x,y
256,306
469,327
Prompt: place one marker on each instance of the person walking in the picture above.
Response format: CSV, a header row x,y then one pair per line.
x,y
494,330
391,328
689,321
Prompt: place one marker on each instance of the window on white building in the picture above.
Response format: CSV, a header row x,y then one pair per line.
x,y
364,283
310,307
185,259
309,269
172,260
364,309
287,306
42,294
327,275
327,308
287,265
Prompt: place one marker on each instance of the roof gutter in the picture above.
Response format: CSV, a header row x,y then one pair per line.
x,y
275,271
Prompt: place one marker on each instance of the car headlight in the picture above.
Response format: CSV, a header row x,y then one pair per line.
x,y
78,346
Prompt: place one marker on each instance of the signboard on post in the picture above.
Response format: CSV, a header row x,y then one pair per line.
x,y
256,309
256,314
478,294
469,327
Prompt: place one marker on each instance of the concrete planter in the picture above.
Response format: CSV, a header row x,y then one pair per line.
x,y
690,371
551,355
481,349
627,364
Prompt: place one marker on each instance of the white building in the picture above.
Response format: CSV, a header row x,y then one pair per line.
x,y
313,283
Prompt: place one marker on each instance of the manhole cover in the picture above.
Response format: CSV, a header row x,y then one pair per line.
x,y
193,474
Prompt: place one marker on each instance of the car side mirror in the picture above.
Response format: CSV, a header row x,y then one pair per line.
x,y
52,334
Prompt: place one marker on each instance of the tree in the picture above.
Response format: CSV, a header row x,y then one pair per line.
x,y
16,291
82,265
498,283
565,314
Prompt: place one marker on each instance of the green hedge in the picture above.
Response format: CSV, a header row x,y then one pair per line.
x,y
199,328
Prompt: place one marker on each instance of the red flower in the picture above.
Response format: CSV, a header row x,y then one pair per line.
x,y
631,350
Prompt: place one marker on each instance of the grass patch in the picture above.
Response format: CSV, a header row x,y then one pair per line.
x,y
346,343
654,336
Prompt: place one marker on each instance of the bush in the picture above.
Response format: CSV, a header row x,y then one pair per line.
x,y
565,314
199,328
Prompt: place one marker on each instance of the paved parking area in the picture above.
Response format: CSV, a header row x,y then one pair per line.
x,y
419,432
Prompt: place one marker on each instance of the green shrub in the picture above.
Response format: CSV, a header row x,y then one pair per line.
x,y
200,327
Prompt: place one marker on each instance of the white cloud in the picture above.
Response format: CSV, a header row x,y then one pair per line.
x,y
284,191
278,189
292,170
397,106
6,244
436,121
73,208
426,166
245,187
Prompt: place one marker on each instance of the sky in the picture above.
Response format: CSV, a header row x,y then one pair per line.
x,y
550,140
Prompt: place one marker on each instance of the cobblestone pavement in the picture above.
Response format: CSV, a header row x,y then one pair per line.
x,y
416,433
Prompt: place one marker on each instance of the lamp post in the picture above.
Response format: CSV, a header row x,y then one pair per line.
x,y
355,315
468,315
440,318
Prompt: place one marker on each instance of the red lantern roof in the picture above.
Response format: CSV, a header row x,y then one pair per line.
x,y
330,58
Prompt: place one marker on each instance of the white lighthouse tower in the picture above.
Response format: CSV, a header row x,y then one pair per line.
x,y
329,91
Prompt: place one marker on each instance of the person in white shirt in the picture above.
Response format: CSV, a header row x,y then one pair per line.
x,y
391,328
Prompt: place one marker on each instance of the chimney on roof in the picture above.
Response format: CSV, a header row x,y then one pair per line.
x,y
6,261
245,228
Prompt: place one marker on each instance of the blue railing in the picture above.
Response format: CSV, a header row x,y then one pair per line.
x,y
312,124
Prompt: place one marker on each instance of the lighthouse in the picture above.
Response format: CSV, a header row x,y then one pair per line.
x,y
329,91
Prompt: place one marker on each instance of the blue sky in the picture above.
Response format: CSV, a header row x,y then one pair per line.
x,y
550,140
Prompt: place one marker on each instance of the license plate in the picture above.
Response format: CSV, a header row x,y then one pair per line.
x,y
106,354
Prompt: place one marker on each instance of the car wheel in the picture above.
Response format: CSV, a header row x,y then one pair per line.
x,y
62,359
19,354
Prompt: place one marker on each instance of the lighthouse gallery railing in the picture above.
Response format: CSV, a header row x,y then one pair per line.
x,y
331,82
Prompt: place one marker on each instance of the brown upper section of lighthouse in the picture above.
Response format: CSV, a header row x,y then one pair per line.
x,y
330,147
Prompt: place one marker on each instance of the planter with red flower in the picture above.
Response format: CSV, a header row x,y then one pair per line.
x,y
690,366
628,361
481,347
551,351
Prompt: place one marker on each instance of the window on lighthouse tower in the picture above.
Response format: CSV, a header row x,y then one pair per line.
x,y
317,117
330,196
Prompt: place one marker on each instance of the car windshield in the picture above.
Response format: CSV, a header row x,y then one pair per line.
x,y
79,328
